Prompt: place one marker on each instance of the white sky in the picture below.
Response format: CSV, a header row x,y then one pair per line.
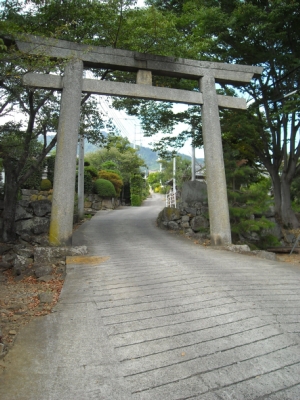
x,y
140,3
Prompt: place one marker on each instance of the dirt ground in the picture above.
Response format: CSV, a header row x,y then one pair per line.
x,y
293,258
23,300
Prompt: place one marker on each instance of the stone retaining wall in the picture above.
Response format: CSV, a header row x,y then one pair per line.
x,y
191,216
25,259
94,203
34,195
192,219
34,211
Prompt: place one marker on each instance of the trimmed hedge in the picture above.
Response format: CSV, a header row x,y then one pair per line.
x,y
104,188
136,200
45,184
114,178
92,171
136,190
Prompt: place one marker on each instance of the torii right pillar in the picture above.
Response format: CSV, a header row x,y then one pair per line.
x,y
220,233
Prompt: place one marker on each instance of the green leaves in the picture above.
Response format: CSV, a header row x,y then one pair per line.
x,y
151,31
183,171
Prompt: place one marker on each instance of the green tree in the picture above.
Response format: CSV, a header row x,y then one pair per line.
x,y
20,161
175,6
248,197
154,180
295,192
119,152
247,206
182,174
265,34
149,30
136,189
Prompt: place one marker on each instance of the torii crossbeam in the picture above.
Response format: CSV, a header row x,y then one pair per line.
x,y
72,84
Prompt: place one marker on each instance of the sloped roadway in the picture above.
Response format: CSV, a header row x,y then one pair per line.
x,y
151,315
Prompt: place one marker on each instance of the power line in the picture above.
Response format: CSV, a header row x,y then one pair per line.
x,y
117,120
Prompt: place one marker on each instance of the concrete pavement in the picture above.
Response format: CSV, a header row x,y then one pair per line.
x,y
151,315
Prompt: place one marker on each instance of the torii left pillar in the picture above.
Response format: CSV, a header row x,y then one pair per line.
x,y
61,224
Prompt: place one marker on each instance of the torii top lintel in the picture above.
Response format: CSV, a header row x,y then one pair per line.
x,y
107,57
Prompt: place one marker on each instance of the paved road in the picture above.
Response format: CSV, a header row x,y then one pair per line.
x,y
151,315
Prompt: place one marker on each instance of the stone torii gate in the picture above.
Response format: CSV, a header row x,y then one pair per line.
x,y
72,84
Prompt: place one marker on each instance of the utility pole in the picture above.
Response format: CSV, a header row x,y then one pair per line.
x,y
81,178
174,174
193,163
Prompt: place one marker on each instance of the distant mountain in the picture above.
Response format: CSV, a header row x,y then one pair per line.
x,y
89,148
150,157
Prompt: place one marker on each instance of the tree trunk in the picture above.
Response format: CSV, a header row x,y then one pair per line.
x,y
10,203
288,216
282,199
277,194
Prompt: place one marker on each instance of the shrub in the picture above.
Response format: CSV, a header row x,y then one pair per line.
x,y
45,184
92,171
267,241
136,200
114,178
145,192
104,188
136,189
114,171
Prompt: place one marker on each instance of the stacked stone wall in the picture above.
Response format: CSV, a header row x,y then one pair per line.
x,y
34,211
94,203
191,215
190,218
